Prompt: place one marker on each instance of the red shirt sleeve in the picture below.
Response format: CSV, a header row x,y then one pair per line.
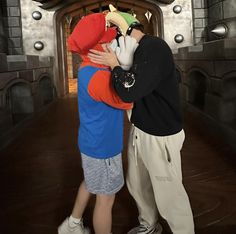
x,y
100,89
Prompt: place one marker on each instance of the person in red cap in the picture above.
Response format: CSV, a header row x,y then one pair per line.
x,y
101,129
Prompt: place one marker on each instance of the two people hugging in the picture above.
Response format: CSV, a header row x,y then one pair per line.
x,y
135,72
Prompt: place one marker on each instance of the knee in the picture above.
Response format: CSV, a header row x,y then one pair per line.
x,y
105,200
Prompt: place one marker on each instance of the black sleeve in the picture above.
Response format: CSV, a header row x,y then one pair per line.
x,y
151,64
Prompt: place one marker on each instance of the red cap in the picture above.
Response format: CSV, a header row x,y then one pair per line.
x,y
89,31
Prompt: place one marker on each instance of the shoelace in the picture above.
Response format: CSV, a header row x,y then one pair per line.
x,y
146,230
81,224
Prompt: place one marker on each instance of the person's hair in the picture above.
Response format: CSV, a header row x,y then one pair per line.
x,y
135,25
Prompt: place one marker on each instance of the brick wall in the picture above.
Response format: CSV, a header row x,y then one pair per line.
x,y
200,20
221,12
221,9
12,26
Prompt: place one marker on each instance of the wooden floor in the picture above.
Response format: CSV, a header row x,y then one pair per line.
x,y
40,172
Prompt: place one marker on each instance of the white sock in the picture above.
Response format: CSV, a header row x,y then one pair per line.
x,y
73,222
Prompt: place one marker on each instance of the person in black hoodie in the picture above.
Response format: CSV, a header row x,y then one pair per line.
x,y
154,176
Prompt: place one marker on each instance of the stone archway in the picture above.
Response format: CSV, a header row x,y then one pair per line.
x,y
45,90
19,101
65,19
197,88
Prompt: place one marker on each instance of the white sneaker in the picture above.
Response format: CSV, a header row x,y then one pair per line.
x,y
65,228
142,229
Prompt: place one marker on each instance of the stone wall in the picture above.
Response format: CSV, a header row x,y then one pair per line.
x,y
222,19
26,87
208,85
200,20
12,26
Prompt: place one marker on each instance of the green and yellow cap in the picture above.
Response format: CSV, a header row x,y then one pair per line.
x,y
125,21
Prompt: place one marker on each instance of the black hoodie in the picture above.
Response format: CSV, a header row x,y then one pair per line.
x,y
153,85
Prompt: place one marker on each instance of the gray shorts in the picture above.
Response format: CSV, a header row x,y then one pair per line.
x,y
103,176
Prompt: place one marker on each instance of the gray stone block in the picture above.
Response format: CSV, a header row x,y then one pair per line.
x,y
14,42
184,79
192,52
212,2
11,51
16,66
230,48
205,3
215,86
199,32
231,24
230,43
205,22
32,61
214,49
203,66
20,62
45,61
12,3
229,89
27,75
18,51
180,64
197,48
41,71
15,32
221,49
198,23
200,13
38,73
15,51
14,11
199,40
3,63
197,4
13,21
7,77
224,67
215,13
229,8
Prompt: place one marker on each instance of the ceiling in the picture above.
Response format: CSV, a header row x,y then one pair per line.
x,y
58,4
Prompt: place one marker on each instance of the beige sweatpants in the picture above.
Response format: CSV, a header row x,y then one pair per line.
x,y
154,179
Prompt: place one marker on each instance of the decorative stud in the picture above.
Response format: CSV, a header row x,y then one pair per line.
x,y
220,30
177,9
148,15
179,38
36,15
38,45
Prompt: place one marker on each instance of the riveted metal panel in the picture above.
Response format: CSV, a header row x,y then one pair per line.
x,y
37,30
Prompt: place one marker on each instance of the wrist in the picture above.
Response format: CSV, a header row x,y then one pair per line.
x,y
114,65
